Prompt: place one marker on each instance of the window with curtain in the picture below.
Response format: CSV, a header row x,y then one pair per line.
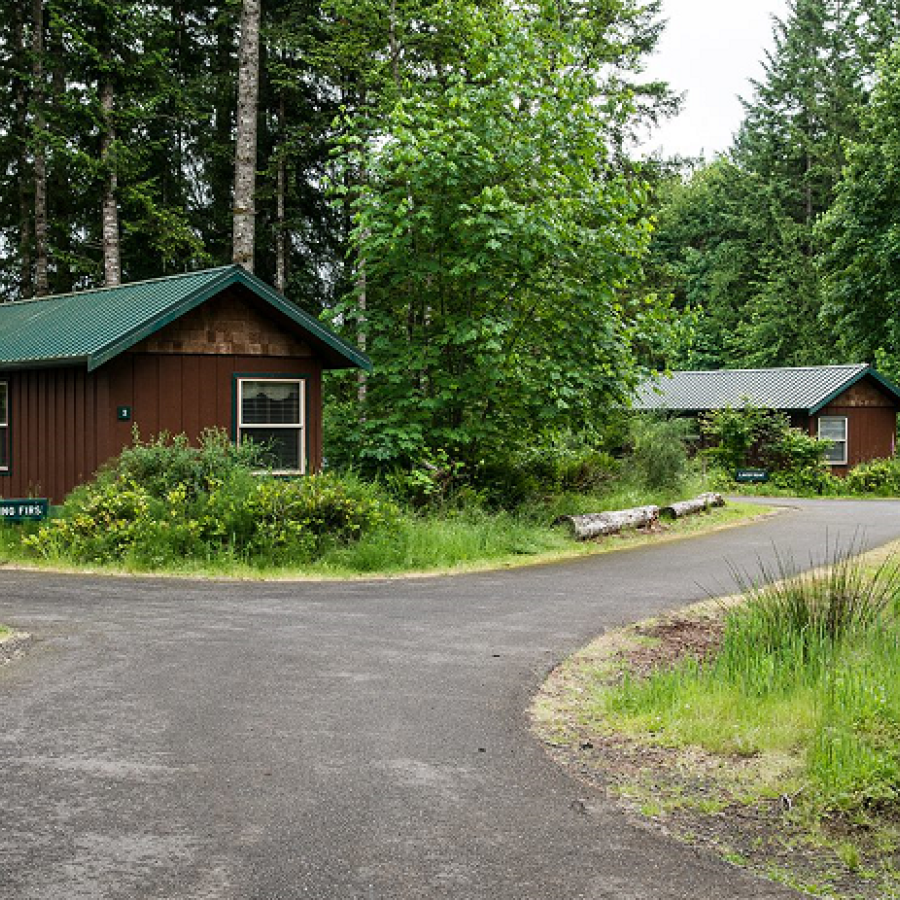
x,y
271,414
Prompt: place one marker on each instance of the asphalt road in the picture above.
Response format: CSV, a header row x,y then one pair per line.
x,y
172,739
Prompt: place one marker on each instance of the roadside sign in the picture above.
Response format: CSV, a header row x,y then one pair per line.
x,y
31,509
751,476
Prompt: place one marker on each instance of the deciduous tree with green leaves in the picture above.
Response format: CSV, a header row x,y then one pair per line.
x,y
498,237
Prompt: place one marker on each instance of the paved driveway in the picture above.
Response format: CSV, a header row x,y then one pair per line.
x,y
170,739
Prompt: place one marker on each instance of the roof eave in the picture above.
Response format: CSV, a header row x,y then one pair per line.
x,y
880,379
233,275
43,362
146,329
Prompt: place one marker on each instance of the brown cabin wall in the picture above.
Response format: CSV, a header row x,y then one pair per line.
x,y
871,423
63,422
871,433
56,435
180,393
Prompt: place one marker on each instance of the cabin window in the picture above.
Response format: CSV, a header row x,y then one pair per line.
x,y
834,429
4,426
271,413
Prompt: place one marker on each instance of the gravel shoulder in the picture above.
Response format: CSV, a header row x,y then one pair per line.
x,y
13,644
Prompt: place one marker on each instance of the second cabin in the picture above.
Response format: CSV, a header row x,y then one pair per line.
x,y
853,407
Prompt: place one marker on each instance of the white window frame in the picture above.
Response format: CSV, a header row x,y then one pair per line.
x,y
836,443
300,428
4,424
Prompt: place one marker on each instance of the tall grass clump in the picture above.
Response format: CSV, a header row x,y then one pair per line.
x,y
451,539
795,621
808,666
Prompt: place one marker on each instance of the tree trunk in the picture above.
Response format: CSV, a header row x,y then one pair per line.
x,y
112,263
20,94
595,525
59,203
245,149
362,383
41,241
281,242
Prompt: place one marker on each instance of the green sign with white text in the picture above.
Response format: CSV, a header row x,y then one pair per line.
x,y
31,509
751,476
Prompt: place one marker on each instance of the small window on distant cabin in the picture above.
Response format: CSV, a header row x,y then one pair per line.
x,y
270,413
4,426
834,430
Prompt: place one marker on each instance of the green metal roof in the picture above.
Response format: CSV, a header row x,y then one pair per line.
x,y
92,327
807,388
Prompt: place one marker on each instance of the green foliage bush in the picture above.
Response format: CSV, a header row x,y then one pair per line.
x,y
166,462
763,438
659,456
164,501
556,464
879,476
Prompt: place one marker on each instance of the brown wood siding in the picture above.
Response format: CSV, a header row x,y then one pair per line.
x,y
871,423
871,433
63,423
182,394
55,437
227,325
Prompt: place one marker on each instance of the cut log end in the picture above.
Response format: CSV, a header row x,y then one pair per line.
x,y
683,508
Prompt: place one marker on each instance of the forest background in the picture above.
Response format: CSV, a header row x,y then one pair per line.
x,y
454,186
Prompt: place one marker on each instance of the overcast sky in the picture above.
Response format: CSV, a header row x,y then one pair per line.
x,y
710,50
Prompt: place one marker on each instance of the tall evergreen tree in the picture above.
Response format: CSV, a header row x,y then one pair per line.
x,y
861,233
791,145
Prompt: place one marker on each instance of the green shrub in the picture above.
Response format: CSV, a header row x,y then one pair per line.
x,y
736,437
814,479
879,476
559,463
435,481
168,462
295,519
659,456
763,438
199,503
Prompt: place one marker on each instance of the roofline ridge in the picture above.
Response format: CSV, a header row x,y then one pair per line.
x,y
116,287
767,369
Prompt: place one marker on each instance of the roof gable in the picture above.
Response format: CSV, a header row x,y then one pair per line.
x,y
807,388
93,327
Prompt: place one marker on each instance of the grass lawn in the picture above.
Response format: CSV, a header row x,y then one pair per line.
x,y
768,728
467,540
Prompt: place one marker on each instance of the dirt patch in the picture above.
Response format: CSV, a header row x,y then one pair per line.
x,y
709,801
673,640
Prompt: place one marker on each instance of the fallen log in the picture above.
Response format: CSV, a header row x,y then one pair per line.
x,y
690,507
594,525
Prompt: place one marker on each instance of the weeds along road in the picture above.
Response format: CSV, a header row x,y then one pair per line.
x,y
171,739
